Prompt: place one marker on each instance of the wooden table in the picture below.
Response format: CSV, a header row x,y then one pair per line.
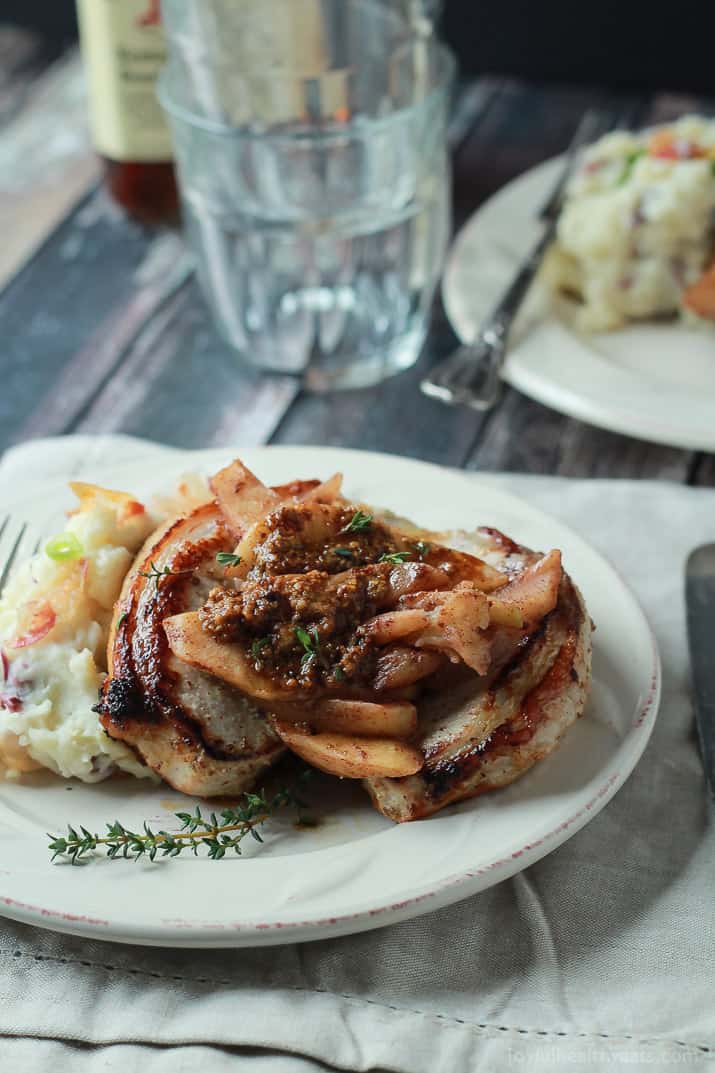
x,y
103,328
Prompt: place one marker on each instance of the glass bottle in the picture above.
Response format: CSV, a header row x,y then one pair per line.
x,y
123,49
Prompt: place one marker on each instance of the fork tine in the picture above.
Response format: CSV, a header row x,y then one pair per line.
x,y
3,525
5,572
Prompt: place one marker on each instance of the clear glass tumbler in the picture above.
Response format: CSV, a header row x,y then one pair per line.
x,y
419,10
315,185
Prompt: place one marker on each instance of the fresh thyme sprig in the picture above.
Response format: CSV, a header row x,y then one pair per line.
x,y
310,642
357,523
395,557
218,834
226,558
157,574
258,645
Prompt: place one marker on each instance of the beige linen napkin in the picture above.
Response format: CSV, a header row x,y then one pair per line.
x,y
599,957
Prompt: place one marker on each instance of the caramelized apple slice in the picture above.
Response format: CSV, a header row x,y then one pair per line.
x,y
455,624
392,626
327,492
400,666
242,498
349,757
393,719
228,661
533,593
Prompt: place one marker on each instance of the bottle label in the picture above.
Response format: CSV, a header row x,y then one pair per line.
x,y
124,49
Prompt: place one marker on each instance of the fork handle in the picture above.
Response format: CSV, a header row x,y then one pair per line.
x,y
501,318
490,346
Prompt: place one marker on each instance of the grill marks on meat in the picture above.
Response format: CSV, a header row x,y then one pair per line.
x,y
478,735
196,732
489,657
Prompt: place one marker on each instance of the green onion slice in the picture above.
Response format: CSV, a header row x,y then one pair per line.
x,y
64,548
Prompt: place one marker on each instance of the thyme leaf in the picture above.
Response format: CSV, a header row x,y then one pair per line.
x,y
257,645
310,642
358,523
226,558
394,557
157,574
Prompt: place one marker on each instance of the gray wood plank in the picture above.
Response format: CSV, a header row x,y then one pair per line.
x,y
22,57
75,290
394,417
163,270
178,383
668,106
522,126
703,472
523,436
46,158
122,341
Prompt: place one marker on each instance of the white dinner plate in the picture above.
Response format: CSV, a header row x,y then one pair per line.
x,y
355,870
654,381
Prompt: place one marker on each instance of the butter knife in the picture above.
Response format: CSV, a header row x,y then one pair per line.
x,y
700,611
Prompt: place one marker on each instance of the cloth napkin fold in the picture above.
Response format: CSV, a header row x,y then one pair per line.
x,y
599,957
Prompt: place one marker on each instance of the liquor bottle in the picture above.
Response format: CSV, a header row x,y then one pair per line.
x,y
123,48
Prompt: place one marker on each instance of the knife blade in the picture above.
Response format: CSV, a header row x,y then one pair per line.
x,y
700,614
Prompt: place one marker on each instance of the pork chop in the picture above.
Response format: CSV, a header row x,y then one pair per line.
x,y
199,734
479,734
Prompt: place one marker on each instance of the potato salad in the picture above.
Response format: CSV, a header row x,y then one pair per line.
x,y
636,238
54,622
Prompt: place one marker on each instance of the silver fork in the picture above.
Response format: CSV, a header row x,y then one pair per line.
x,y
16,539
470,376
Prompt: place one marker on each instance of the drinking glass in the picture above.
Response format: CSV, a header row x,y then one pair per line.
x,y
420,10
315,182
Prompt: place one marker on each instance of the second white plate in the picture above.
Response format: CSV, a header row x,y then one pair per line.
x,y
652,381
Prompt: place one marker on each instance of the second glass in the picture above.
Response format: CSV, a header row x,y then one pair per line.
x,y
318,206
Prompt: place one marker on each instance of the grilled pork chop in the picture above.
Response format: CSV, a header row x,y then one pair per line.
x,y
480,734
198,733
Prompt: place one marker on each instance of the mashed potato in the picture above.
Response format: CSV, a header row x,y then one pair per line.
x,y
54,621
638,228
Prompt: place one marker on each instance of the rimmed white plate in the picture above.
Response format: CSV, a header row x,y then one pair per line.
x,y
652,381
356,870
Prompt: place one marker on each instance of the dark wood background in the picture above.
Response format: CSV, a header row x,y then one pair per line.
x,y
103,329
